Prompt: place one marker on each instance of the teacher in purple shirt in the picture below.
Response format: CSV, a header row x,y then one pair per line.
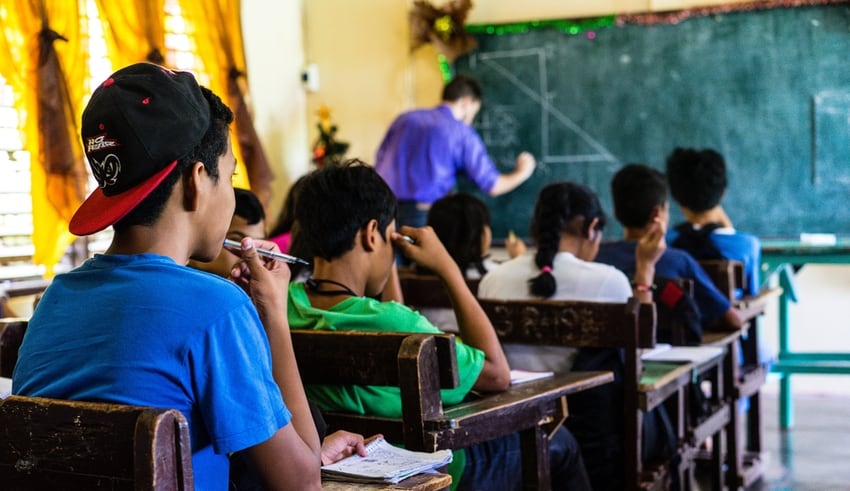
x,y
425,149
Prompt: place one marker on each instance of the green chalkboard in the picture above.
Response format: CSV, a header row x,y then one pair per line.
x,y
768,89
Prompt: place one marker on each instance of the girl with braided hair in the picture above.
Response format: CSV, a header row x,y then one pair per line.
x,y
567,228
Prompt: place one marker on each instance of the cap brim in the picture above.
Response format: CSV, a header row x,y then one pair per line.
x,y
99,211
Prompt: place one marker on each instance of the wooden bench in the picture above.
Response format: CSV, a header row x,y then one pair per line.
x,y
744,379
629,326
55,444
699,424
421,364
12,331
427,290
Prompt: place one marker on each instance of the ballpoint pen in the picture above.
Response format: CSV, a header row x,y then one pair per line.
x,y
272,254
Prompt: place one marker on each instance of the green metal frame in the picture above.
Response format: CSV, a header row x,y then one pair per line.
x,y
779,258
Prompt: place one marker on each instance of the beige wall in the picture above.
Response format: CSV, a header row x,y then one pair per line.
x,y
367,73
504,11
274,48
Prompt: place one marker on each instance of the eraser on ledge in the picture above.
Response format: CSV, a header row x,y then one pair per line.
x,y
818,239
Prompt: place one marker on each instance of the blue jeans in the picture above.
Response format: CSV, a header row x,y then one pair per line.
x,y
496,465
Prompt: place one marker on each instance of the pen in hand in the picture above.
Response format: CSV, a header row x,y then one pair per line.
x,y
265,252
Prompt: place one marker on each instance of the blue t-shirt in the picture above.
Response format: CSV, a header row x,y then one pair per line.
x,y
143,330
674,263
736,246
423,152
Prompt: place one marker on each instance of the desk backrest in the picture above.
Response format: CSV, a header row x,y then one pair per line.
x,y
55,444
428,291
11,336
726,274
574,324
418,364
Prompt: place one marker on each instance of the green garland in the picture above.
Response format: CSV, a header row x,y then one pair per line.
x,y
572,27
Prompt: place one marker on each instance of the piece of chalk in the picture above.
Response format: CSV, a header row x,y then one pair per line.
x,y
818,239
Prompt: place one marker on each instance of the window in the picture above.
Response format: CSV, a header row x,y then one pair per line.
x,y
15,202
16,248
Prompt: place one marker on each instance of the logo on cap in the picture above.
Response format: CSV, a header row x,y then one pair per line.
x,y
106,171
99,142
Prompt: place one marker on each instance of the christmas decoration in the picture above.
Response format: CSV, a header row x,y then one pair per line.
x,y
443,27
327,150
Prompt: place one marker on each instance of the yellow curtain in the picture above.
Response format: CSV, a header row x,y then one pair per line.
x,y
218,39
134,30
43,59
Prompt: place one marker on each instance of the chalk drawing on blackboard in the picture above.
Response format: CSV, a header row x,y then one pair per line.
x,y
831,137
503,64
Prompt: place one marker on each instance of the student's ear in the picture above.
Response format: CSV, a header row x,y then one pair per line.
x,y
369,235
192,183
592,233
661,212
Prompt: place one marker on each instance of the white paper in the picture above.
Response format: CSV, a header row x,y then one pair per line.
x,y
5,387
522,376
688,354
386,463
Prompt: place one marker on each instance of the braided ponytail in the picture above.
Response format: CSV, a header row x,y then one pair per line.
x,y
550,214
557,205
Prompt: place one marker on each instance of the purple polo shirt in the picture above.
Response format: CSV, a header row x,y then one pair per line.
x,y
425,149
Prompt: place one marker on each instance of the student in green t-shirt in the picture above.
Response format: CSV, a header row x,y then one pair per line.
x,y
346,218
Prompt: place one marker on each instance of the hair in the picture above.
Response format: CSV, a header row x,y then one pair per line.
x,y
335,202
562,207
697,178
248,206
636,190
286,218
462,86
212,146
459,221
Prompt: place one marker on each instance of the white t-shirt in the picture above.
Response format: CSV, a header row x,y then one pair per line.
x,y
575,280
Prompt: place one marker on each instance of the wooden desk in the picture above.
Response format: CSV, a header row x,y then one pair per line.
x,y
659,380
419,482
781,259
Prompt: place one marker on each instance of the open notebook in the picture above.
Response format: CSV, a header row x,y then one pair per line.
x,y
385,463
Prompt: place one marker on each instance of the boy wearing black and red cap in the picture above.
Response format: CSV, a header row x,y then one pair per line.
x,y
136,326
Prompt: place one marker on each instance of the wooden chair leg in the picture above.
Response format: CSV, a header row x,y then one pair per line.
x,y
534,443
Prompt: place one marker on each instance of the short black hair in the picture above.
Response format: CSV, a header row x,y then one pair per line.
x,y
462,86
636,190
212,146
248,206
459,221
558,207
697,178
335,202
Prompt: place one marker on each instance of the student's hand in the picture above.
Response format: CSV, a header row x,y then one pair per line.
x,y
649,250
264,279
515,246
341,444
426,251
525,164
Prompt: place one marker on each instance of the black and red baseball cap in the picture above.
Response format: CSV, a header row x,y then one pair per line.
x,y
137,125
